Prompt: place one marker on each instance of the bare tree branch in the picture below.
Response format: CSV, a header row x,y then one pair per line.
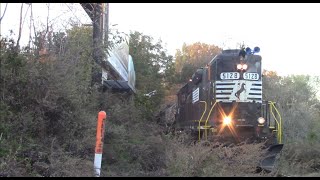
x,y
25,15
20,26
62,14
34,27
30,27
4,12
73,13
48,19
44,48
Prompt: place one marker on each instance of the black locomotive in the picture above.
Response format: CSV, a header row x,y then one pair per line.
x,y
224,99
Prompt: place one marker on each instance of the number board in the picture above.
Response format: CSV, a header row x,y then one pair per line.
x,y
230,75
250,76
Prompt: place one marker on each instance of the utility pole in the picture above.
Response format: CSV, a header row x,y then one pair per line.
x,y
99,14
106,23
97,23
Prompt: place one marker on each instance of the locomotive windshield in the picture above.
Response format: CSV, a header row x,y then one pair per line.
x,y
254,64
227,65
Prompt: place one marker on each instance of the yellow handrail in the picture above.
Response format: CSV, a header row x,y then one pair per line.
x,y
205,109
205,130
278,122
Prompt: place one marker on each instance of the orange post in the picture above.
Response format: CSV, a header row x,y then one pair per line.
x,y
99,142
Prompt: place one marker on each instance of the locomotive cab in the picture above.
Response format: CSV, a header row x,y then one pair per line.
x,y
197,76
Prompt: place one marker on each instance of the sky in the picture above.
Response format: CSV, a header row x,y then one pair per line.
x,y
288,34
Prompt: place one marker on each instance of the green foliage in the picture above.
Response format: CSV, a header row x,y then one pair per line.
x,y
170,75
296,99
47,95
151,64
186,72
132,143
49,106
149,59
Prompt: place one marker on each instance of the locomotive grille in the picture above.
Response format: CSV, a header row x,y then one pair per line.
x,y
239,91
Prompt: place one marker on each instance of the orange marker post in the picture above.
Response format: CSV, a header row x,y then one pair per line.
x,y
99,142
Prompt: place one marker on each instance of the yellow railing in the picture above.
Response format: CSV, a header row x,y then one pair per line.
x,y
206,122
205,109
205,125
279,123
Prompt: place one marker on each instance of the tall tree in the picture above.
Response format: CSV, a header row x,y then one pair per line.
x,y
150,61
151,64
193,56
296,99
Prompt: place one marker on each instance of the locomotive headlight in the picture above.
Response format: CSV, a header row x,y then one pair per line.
x,y
261,120
244,66
226,120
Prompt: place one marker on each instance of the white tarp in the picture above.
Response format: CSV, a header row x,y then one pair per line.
x,y
117,65
122,54
122,63
131,74
104,75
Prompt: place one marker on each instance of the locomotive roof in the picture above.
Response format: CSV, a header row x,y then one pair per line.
x,y
232,54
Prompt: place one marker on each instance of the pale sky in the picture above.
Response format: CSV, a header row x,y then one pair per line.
x,y
287,34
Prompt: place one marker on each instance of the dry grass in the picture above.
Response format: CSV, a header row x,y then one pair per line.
x,y
300,159
212,159
64,165
40,164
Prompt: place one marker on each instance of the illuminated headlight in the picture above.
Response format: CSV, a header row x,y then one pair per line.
x,y
261,120
244,66
227,120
